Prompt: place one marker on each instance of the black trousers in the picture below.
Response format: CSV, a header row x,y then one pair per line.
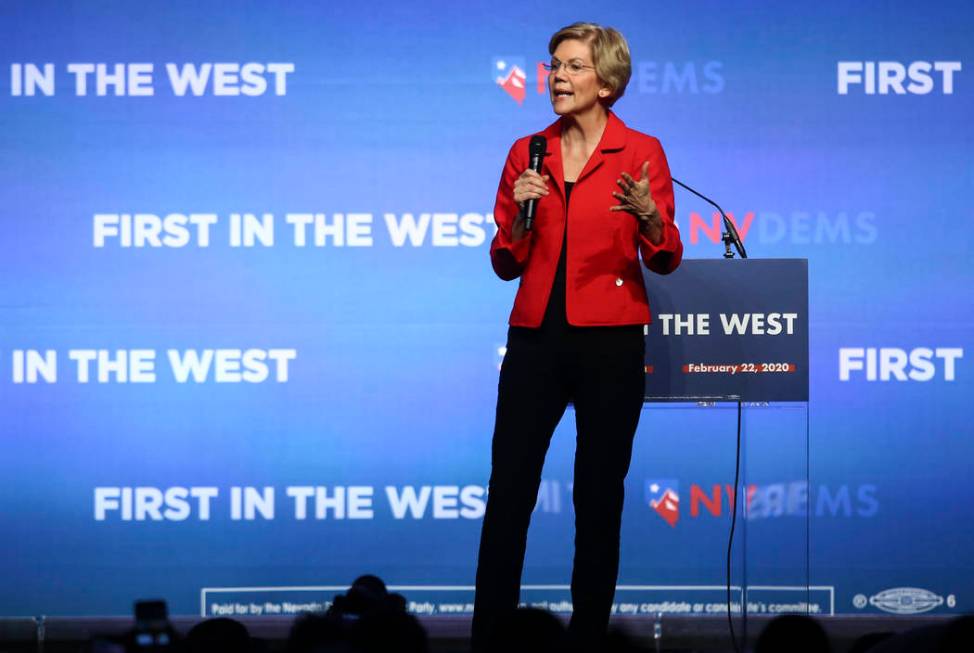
x,y
600,370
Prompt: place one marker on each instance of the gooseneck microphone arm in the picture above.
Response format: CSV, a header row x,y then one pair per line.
x,y
730,235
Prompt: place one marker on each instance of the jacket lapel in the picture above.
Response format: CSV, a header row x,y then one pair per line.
x,y
613,138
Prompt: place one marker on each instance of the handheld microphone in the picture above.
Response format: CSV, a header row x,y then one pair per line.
x,y
536,150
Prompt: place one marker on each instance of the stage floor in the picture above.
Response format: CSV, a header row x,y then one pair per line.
x,y
450,634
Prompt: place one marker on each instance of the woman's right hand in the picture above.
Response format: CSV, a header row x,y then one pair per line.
x,y
530,186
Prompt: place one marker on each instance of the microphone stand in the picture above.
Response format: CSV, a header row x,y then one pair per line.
x,y
730,235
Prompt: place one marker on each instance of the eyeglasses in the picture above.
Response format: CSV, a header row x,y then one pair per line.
x,y
573,67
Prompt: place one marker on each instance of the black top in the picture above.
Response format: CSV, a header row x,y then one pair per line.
x,y
555,316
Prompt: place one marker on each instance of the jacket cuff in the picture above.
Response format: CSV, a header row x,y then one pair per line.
x,y
665,256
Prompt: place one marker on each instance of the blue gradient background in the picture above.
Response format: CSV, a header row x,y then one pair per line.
x,y
393,107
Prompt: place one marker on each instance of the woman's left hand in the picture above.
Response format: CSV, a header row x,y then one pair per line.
x,y
636,199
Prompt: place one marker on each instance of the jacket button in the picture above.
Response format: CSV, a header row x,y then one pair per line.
x,y
619,282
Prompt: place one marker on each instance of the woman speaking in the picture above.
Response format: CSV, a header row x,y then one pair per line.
x,y
604,200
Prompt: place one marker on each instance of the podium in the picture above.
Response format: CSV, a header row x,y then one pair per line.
x,y
727,377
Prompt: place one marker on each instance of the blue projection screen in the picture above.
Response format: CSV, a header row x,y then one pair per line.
x,y
250,337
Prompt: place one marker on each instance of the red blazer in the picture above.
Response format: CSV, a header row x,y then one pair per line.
x,y
604,280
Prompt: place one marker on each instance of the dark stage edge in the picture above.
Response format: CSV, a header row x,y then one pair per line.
x,y
450,634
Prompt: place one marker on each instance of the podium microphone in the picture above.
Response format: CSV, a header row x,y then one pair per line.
x,y
536,150
730,236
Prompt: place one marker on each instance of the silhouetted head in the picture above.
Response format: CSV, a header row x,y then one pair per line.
x,y
220,635
793,633
367,594
388,631
317,633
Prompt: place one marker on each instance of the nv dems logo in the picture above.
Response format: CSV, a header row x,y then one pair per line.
x,y
903,600
774,500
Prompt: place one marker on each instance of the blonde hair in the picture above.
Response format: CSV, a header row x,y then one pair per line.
x,y
610,54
